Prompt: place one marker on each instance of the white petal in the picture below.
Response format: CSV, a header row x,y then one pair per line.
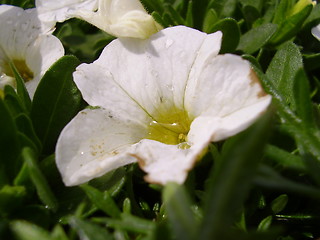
x,y
316,32
40,55
224,85
165,163
153,72
205,129
59,11
94,143
121,18
225,97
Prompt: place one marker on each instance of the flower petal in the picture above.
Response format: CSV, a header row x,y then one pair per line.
x,y
40,55
225,97
224,85
316,32
159,65
59,11
165,163
121,18
94,143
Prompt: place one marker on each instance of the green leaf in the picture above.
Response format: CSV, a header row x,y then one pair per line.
x,y
265,224
285,159
12,100
103,201
256,38
282,9
231,34
40,182
304,106
25,126
11,197
130,223
189,14
28,231
269,178
55,102
88,230
21,89
210,19
9,146
290,27
279,203
224,8
283,69
178,207
178,20
231,179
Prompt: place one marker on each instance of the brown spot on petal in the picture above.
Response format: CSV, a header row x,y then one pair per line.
x,y
255,80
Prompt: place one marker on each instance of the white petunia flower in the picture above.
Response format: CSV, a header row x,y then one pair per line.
x,y
120,18
27,44
161,102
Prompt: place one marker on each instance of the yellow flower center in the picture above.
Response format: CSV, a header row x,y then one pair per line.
x,y
171,128
21,67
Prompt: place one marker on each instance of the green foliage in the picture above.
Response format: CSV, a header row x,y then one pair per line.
x,y
260,184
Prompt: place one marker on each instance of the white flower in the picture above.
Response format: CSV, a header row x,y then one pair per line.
x,y
26,43
161,102
120,18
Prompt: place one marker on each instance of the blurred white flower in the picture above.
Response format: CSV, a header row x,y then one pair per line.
x,y
120,18
161,101
316,32
27,44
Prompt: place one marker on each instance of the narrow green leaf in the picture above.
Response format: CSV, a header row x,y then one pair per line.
x,y
231,179
177,204
256,38
43,189
231,34
210,19
224,8
283,70
11,197
174,14
279,203
58,233
282,10
157,17
103,201
189,15
28,231
9,146
304,106
12,100
285,159
25,126
269,178
88,230
21,88
290,27
130,223
55,102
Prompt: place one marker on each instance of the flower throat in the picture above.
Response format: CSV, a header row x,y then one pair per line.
x,y
21,67
170,127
